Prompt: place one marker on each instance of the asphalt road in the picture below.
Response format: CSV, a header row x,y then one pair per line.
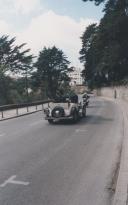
x,y
61,164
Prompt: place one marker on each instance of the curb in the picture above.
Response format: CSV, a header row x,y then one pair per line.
x,y
21,115
121,193
121,190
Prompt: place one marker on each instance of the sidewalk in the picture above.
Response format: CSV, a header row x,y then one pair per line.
x,y
20,112
121,194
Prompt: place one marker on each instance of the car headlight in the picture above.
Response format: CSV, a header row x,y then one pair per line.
x,y
73,109
46,111
67,112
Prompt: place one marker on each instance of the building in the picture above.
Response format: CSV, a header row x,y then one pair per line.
x,y
75,76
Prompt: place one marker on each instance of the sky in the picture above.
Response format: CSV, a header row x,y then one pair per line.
x,y
49,23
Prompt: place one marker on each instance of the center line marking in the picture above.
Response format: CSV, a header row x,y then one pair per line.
x,y
80,130
12,181
2,134
37,123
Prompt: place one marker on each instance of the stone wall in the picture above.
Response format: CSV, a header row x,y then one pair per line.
x,y
79,89
120,92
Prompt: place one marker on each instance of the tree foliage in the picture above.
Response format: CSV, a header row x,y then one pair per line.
x,y
14,59
105,47
50,75
52,68
97,2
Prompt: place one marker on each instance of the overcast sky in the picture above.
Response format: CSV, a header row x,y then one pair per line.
x,y
42,23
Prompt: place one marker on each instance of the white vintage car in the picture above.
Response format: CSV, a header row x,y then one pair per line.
x,y
65,109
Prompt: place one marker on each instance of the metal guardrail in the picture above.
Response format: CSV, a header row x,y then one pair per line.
x,y
22,105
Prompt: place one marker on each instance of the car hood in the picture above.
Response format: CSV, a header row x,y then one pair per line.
x,y
64,105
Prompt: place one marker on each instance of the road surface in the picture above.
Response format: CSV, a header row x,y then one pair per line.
x,y
61,164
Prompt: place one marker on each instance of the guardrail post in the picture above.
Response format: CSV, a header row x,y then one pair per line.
x,y
23,105
17,113
2,114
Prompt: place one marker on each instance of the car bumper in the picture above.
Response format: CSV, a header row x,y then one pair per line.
x,y
59,118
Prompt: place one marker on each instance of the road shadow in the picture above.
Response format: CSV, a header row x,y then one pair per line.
x,y
89,119
65,122
94,106
96,119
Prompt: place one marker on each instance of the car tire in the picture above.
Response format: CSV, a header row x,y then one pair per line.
x,y
75,117
50,121
87,104
61,111
84,112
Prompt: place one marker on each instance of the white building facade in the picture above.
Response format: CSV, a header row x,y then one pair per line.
x,y
75,76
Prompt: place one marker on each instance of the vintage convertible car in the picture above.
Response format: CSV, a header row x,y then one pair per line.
x,y
66,108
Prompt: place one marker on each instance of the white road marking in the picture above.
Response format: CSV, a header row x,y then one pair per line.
x,y
2,134
80,130
12,181
36,123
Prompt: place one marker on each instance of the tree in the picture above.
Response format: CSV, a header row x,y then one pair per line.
x,y
13,59
114,31
108,2
90,54
109,48
97,2
52,68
